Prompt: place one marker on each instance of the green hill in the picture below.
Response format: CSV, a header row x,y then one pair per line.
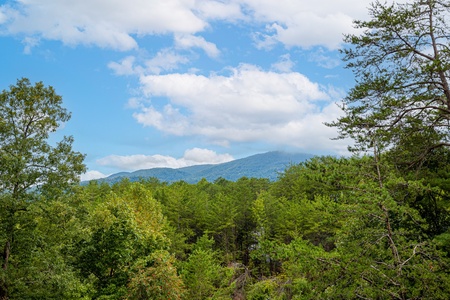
x,y
266,165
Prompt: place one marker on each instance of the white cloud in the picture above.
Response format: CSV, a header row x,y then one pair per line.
x,y
205,156
187,41
91,175
247,105
169,120
220,10
119,24
29,43
195,156
165,60
124,67
324,60
285,64
4,12
103,23
306,23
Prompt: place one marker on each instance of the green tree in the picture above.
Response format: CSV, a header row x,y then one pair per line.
x,y
221,224
122,230
300,275
244,193
402,66
202,272
357,237
40,265
400,109
28,115
184,207
155,277
382,253
29,163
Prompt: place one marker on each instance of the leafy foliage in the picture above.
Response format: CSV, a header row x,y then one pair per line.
x,y
363,227
156,278
29,164
28,114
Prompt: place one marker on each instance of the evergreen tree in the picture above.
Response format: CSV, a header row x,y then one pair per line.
x,y
402,66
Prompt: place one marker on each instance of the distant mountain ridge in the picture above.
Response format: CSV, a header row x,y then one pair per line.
x,y
265,165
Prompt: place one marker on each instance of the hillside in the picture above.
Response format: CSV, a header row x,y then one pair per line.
x,y
266,165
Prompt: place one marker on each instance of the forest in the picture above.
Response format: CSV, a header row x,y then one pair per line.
x,y
371,225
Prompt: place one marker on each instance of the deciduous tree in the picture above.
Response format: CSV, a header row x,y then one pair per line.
x,y
29,162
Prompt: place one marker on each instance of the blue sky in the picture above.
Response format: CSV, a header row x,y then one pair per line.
x,y
172,83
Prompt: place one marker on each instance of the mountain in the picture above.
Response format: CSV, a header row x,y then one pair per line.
x,y
266,165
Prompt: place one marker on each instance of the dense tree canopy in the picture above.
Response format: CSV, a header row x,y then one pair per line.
x,y
362,227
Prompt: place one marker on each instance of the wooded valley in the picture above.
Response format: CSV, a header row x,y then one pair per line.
x,y
371,225
325,230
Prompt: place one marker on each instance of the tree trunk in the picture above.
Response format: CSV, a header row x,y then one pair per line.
x,y
6,255
3,287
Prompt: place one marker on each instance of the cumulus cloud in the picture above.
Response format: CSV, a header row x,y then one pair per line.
x,y
103,23
249,104
229,11
165,60
125,67
305,23
119,24
187,41
195,156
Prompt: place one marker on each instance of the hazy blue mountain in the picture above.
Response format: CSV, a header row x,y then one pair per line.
x,y
266,165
